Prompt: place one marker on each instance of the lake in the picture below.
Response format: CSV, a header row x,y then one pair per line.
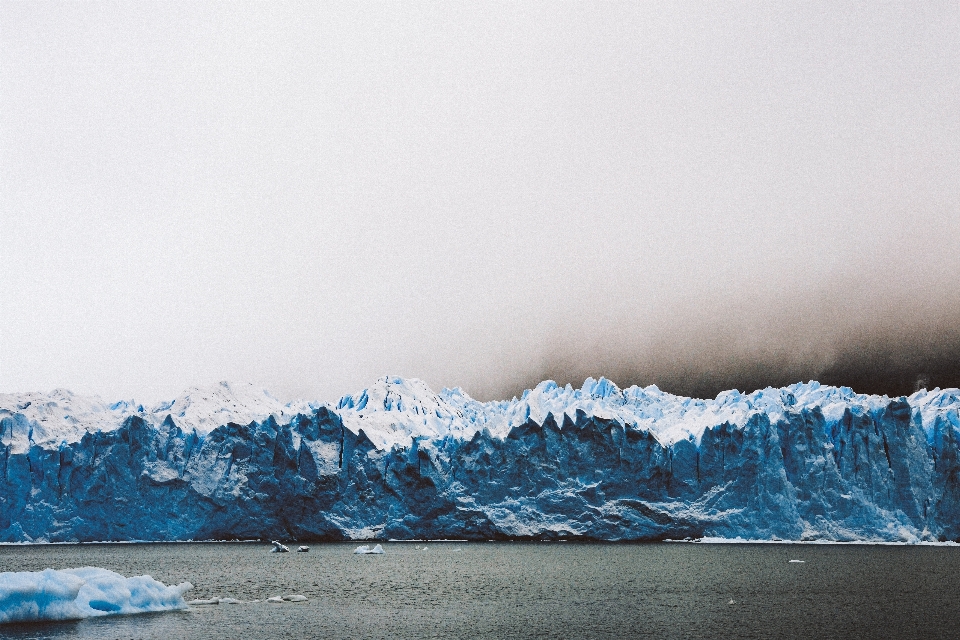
x,y
525,590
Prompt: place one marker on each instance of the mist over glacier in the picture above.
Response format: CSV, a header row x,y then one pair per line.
x,y
700,197
399,461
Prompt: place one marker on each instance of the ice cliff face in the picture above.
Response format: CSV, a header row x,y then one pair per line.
x,y
400,461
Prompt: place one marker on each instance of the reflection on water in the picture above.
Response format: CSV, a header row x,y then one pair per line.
x,y
525,590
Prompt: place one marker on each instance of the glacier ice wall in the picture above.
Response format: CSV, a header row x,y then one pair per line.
x,y
398,461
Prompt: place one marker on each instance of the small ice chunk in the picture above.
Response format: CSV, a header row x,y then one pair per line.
x,y
275,600
365,549
295,598
229,601
731,601
208,601
798,561
303,548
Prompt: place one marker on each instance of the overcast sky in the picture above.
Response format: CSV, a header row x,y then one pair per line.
x,y
308,196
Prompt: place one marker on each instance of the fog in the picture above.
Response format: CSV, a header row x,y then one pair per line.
x,y
478,194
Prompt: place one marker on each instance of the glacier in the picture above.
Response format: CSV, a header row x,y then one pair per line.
x,y
400,461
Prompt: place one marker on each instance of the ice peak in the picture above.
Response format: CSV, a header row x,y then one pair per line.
x,y
394,410
601,388
392,393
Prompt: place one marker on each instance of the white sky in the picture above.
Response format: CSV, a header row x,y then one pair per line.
x,y
310,195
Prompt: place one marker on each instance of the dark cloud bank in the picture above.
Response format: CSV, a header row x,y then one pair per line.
x,y
868,365
891,349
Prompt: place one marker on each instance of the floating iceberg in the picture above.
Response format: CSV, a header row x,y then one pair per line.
x,y
72,594
365,550
303,548
279,548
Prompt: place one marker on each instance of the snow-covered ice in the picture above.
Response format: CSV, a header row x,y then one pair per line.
x,y
49,419
72,594
395,411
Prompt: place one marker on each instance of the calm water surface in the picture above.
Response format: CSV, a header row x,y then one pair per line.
x,y
525,590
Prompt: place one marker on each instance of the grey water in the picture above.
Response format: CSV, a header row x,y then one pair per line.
x,y
524,590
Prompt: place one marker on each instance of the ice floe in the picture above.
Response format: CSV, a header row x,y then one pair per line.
x,y
215,601
294,597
